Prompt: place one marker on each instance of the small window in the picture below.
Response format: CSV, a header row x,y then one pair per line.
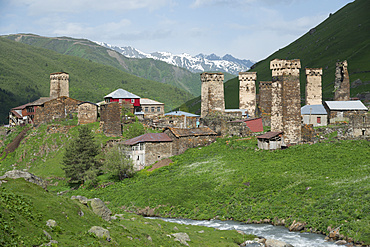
x,y
152,109
138,157
158,109
146,109
132,101
319,120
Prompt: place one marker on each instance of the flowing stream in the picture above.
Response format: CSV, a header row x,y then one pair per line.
x,y
281,233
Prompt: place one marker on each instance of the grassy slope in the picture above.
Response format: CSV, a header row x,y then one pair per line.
x,y
24,77
25,208
146,68
343,36
325,184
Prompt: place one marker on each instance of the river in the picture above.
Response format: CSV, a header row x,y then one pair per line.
x,y
297,239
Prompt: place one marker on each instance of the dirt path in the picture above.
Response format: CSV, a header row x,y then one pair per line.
x,y
161,163
14,144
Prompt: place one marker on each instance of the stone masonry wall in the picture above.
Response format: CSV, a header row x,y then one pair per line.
x,y
313,86
87,113
57,108
360,122
110,119
286,107
155,151
59,84
247,92
265,101
212,93
341,83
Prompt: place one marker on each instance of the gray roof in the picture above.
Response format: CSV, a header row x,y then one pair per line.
x,y
145,101
346,105
181,113
313,109
121,94
243,111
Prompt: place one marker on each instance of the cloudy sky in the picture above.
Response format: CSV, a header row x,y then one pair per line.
x,y
246,29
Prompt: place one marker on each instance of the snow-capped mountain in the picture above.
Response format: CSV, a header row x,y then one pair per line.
x,y
195,64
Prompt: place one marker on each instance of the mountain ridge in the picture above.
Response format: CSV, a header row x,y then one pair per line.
x,y
196,64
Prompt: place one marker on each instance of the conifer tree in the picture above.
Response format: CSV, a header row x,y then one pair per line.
x,y
79,161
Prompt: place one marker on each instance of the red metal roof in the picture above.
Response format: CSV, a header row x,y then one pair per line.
x,y
269,135
254,124
202,131
149,137
21,107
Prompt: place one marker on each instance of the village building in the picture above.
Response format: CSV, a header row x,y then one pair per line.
x,y
121,96
264,101
244,127
341,83
315,115
340,111
151,108
286,99
313,86
110,119
146,149
212,93
271,140
59,84
19,115
247,92
184,139
360,123
87,112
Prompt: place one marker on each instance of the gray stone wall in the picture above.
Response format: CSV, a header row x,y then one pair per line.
x,y
59,84
313,86
155,151
87,113
247,92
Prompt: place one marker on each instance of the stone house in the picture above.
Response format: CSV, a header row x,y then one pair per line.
x,y
175,119
340,111
271,140
87,112
189,138
148,148
237,128
151,108
315,115
360,123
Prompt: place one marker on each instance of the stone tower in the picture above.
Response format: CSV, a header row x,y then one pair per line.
x,y
313,86
264,102
341,84
247,92
286,99
212,94
59,84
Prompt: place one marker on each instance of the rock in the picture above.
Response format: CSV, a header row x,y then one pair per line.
x,y
201,231
251,243
51,243
51,223
81,199
14,174
276,243
149,238
80,213
334,234
341,242
175,228
100,209
296,226
100,232
182,237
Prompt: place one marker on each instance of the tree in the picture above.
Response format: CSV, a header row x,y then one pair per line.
x,y
118,164
79,161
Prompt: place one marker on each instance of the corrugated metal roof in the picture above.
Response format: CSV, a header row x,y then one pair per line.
x,y
20,107
201,131
243,111
149,137
145,101
313,109
346,105
269,135
254,124
41,101
121,94
88,103
181,113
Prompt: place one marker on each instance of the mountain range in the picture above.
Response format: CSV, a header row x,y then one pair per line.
x,y
196,64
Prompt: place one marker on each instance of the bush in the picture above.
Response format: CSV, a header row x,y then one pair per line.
x,y
117,164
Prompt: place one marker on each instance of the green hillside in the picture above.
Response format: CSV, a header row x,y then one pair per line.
x,y
25,70
344,35
146,68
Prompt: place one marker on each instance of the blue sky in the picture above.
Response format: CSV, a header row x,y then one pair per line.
x,y
246,29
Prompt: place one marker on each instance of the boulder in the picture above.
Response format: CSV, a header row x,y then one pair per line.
x,y
296,226
81,199
182,237
276,243
51,223
51,243
14,174
334,233
100,209
100,232
251,243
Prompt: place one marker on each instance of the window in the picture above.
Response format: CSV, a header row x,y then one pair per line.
x,y
319,120
152,109
146,109
132,101
158,109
